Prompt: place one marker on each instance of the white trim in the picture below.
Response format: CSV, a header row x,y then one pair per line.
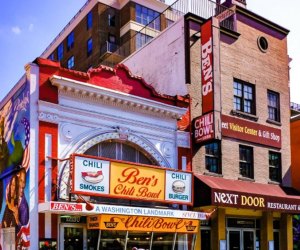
x,y
32,72
48,166
66,85
48,226
72,208
132,25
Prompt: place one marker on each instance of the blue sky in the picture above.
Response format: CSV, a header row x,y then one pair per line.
x,y
28,27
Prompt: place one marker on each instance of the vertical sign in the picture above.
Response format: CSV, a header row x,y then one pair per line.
x,y
204,128
207,67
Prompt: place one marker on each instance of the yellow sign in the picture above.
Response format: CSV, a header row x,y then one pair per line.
x,y
137,181
93,222
143,223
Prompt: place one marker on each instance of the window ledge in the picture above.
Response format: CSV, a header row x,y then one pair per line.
x,y
274,182
273,122
241,178
212,174
244,115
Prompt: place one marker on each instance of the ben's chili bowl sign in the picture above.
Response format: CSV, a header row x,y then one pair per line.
x,y
142,223
97,177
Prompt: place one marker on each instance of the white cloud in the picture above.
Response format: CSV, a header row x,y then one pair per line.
x,y
16,30
31,26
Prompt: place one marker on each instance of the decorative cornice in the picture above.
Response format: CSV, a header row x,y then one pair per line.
x,y
87,91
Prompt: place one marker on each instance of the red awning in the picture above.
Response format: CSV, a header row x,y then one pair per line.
x,y
245,194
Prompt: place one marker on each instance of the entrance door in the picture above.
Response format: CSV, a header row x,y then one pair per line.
x,y
248,239
241,239
72,237
234,240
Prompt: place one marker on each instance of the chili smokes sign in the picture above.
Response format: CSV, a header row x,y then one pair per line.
x,y
250,131
101,177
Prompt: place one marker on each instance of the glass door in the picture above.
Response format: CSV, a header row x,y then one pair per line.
x,y
72,237
241,239
234,240
248,239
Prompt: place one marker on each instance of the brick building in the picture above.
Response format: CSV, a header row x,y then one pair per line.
x,y
235,68
102,27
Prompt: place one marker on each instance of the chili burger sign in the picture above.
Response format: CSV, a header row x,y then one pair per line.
x,y
96,176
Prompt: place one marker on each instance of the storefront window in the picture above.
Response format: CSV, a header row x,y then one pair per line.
x,y
162,241
185,241
138,240
73,238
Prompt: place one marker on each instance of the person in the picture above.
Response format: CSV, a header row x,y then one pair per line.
x,y
11,214
22,203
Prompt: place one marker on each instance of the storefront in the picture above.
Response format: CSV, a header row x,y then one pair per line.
x,y
247,215
86,225
117,227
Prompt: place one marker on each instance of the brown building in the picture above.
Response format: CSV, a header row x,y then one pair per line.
x,y
103,27
235,68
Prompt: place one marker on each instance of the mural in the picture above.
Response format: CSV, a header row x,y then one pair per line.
x,y
296,231
14,171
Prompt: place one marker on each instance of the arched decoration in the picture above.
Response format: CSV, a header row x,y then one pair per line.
x,y
98,136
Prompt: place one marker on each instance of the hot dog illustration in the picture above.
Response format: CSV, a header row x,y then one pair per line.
x,y
92,176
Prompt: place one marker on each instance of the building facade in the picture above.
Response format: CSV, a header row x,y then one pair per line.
x,y
235,67
104,29
93,160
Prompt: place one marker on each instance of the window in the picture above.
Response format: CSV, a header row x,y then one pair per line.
x,y
111,20
275,166
70,40
112,38
120,151
89,45
89,20
273,106
71,62
144,16
51,57
244,97
141,40
169,22
212,157
246,162
60,52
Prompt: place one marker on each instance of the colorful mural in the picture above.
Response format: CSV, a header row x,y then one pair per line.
x,y
296,232
14,171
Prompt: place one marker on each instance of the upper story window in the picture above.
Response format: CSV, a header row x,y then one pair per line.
x,y
246,162
141,40
89,45
273,106
145,15
169,22
111,20
51,57
120,151
275,166
60,52
244,99
71,62
70,40
89,20
212,157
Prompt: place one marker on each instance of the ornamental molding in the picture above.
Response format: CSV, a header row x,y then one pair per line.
x,y
86,91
